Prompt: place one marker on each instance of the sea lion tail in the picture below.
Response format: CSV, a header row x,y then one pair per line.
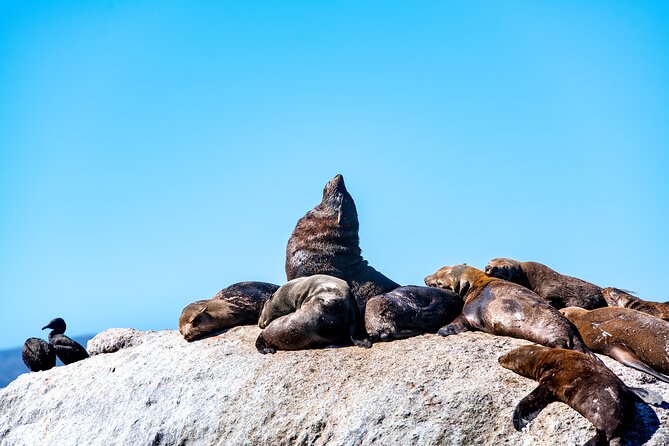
x,y
647,396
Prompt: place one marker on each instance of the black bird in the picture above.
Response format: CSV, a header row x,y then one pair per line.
x,y
68,351
38,355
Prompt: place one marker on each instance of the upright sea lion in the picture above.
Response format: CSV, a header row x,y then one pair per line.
x,y
619,298
238,304
503,308
557,289
38,355
308,312
325,241
635,339
579,381
67,350
409,311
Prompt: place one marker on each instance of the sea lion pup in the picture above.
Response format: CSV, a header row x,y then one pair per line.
x,y
503,308
67,350
38,355
557,289
325,241
619,298
635,339
579,381
409,311
308,312
238,304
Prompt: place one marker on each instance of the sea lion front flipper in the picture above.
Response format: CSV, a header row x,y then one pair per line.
x,y
626,357
459,325
262,345
530,406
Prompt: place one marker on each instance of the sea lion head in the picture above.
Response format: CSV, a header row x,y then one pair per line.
x,y
458,278
523,360
336,199
195,320
615,297
503,268
572,313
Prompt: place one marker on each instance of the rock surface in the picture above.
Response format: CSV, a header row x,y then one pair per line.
x,y
157,389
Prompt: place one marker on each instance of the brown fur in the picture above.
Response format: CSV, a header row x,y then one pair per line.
x,y
619,298
238,304
635,339
586,385
308,312
557,289
503,308
325,241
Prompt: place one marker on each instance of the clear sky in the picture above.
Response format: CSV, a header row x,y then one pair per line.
x,y
152,153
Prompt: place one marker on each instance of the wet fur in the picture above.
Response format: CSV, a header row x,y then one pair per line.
x,y
308,312
635,339
410,311
579,381
558,290
504,308
238,304
619,298
325,241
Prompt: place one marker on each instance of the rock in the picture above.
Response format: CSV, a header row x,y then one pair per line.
x,y
158,389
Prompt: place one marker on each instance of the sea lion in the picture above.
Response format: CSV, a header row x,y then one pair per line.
x,y
38,355
308,312
557,289
67,350
635,339
579,381
325,241
503,308
619,298
238,304
409,311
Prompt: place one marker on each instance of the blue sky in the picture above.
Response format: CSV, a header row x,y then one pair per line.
x,y
151,153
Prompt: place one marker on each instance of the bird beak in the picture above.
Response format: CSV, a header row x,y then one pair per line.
x,y
44,328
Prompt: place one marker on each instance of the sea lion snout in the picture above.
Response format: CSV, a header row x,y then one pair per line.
x,y
432,281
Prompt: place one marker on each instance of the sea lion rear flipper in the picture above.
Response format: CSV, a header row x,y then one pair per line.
x,y
530,406
647,396
459,325
626,357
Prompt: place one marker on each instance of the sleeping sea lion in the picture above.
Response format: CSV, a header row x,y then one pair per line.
x,y
503,308
409,311
308,312
579,381
557,289
619,298
325,241
238,304
635,339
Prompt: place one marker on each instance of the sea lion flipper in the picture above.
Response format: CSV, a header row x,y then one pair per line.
x,y
647,396
364,342
459,325
626,357
530,406
262,346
